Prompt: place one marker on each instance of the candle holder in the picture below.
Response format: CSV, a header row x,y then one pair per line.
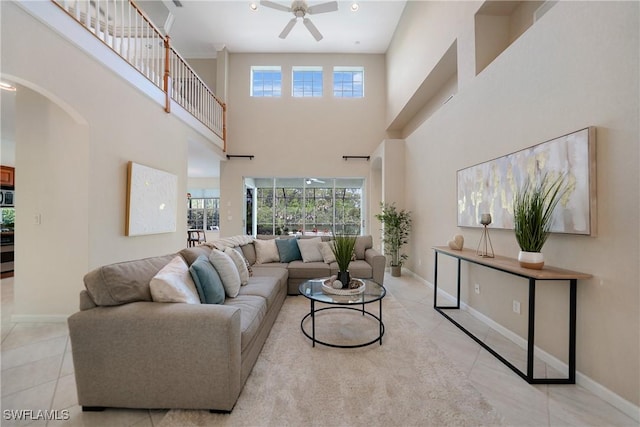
x,y
485,241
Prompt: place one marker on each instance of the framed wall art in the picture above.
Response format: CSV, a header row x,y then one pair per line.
x,y
151,201
489,187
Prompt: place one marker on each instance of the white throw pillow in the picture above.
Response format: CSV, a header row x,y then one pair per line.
x,y
227,271
327,253
173,283
310,249
241,265
266,251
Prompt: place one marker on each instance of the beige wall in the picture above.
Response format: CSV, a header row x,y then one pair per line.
x,y
74,174
575,67
206,69
297,137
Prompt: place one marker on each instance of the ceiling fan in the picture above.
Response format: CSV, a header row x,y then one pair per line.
x,y
300,9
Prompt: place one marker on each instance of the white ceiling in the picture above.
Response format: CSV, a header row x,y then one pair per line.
x,y
203,27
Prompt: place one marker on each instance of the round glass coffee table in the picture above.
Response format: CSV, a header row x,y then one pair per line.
x,y
312,289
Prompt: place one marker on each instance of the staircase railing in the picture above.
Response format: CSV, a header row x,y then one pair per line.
x,y
124,27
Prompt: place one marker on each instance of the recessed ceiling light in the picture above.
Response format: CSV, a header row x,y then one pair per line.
x,y
253,6
355,7
7,86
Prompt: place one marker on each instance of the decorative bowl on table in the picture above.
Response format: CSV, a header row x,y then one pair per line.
x,y
356,286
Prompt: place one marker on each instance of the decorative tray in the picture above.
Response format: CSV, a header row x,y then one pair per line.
x,y
328,289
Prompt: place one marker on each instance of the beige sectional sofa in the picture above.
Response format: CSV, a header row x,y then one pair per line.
x,y
131,352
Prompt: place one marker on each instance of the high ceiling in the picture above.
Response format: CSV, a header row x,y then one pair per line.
x,y
202,27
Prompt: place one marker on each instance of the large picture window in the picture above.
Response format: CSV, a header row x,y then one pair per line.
x,y
306,205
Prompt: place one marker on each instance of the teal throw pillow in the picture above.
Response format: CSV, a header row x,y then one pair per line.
x,y
288,250
207,280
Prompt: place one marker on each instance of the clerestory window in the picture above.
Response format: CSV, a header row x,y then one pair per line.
x,y
266,81
348,82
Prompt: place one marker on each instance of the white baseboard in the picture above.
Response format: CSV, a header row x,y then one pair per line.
x,y
39,318
582,380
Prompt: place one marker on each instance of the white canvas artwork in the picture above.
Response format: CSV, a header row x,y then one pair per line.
x,y
489,187
151,201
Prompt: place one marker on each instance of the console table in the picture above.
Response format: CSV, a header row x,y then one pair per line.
x,y
511,266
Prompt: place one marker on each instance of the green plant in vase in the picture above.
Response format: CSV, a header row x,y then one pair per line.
x,y
342,247
533,206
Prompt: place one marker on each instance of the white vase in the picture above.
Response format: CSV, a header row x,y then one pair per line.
x,y
532,260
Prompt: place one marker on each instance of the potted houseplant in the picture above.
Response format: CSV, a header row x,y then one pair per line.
x,y
533,206
342,247
396,225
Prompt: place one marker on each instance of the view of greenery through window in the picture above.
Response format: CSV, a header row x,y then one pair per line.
x,y
203,213
296,205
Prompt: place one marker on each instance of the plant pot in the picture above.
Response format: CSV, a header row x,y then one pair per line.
x,y
396,270
345,278
531,260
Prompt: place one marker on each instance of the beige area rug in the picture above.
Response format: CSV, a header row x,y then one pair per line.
x,y
406,381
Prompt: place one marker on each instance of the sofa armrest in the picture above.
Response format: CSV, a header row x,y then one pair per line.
x,y
157,355
378,263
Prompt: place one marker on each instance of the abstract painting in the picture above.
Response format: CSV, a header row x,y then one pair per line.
x,y
489,187
151,201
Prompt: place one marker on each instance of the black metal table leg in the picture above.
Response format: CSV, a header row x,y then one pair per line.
x,y
531,333
572,330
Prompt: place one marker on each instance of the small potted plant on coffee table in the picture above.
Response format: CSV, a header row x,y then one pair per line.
x,y
342,247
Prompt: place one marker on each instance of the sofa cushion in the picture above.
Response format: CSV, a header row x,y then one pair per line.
x,y
327,252
173,283
288,250
253,309
362,244
308,270
228,272
191,254
207,280
249,252
238,259
267,287
124,282
310,249
266,251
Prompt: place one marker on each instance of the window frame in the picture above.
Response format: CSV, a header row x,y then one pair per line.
x,y
307,70
265,69
342,91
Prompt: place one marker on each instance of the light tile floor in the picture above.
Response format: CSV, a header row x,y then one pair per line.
x,y
37,373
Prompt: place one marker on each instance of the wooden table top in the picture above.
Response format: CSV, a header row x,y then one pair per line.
x,y
513,266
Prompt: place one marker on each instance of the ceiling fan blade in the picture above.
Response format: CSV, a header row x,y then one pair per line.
x,y
331,6
312,29
277,6
287,28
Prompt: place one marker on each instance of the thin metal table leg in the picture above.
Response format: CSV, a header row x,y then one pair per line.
x,y
313,323
531,335
572,330
380,321
458,302
435,281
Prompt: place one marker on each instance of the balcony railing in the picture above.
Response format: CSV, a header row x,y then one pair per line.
x,y
124,27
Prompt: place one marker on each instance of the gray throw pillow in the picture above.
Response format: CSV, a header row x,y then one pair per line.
x,y
207,280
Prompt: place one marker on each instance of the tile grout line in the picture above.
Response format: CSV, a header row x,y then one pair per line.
x,y
55,389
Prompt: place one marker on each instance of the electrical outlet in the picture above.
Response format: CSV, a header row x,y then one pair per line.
x,y
516,307
476,288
